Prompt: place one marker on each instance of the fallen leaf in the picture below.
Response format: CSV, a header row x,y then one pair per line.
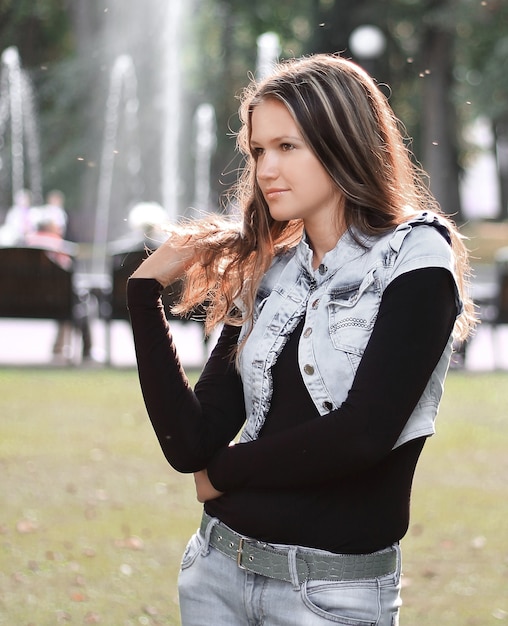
x,y
19,577
90,552
150,610
77,596
92,618
417,530
25,526
79,581
132,543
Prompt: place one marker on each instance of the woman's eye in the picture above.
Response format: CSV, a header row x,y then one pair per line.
x,y
256,152
287,146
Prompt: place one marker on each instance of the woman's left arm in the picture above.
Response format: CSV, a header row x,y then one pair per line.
x,y
415,319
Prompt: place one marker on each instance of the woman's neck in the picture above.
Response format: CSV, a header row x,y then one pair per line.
x,y
322,241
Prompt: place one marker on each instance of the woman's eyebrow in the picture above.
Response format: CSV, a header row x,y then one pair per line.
x,y
282,138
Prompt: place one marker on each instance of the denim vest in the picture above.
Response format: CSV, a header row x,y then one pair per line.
x,y
339,301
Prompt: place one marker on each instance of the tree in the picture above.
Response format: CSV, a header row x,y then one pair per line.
x,y
444,62
39,33
439,119
227,30
480,68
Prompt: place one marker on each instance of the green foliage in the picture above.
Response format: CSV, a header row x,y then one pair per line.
x,y
66,138
482,56
39,29
227,31
68,49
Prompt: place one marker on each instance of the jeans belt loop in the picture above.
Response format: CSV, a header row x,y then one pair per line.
x,y
212,522
293,568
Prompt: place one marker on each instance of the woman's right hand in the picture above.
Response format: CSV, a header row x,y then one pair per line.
x,y
204,489
166,264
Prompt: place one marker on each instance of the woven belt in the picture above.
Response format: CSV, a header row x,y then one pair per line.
x,y
261,558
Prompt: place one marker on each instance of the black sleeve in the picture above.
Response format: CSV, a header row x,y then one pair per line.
x,y
190,425
414,323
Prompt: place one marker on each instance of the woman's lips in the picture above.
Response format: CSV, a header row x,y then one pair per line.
x,y
272,194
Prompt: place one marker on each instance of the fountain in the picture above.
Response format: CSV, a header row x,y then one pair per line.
x,y
122,97
142,121
124,143
17,105
204,126
172,109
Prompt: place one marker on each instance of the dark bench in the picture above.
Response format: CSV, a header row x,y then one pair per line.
x,y
114,307
122,266
502,283
33,286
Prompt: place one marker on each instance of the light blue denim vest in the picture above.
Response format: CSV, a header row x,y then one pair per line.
x,y
339,301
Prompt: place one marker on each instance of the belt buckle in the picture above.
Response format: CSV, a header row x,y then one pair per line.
x,y
239,552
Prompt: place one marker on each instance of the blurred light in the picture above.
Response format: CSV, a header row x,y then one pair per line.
x,y
268,49
367,42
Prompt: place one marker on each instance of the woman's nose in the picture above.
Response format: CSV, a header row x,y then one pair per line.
x,y
267,167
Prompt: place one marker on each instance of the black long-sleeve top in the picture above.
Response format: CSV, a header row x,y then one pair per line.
x,y
332,482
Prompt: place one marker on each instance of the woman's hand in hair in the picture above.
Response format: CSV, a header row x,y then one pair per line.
x,y
166,264
204,489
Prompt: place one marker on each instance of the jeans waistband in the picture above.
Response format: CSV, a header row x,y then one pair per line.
x,y
295,565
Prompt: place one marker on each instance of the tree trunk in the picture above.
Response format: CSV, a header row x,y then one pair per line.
x,y
439,123
84,15
87,29
501,142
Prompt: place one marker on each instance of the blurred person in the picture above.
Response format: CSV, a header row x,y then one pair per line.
x,y
19,220
49,235
340,292
54,211
146,222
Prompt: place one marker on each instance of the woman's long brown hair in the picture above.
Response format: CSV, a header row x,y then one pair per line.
x,y
347,122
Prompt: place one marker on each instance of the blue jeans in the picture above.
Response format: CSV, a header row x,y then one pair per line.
x,y
214,590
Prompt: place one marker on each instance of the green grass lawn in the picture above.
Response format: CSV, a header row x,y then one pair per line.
x,y
93,521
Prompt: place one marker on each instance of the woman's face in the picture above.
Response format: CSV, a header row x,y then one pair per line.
x,y
293,181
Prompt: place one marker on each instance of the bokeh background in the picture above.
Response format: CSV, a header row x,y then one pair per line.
x,y
120,104
118,89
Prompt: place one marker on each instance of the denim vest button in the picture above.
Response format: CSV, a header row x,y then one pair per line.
x,y
327,405
307,332
308,369
322,269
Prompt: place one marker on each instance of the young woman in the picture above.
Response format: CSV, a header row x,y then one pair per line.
x,y
340,290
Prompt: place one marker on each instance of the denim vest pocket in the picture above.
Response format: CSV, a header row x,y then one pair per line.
x,y
352,311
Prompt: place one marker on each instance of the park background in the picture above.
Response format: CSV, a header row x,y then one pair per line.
x,y
136,102
139,88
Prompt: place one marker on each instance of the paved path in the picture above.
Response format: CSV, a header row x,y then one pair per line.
x,y
29,343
